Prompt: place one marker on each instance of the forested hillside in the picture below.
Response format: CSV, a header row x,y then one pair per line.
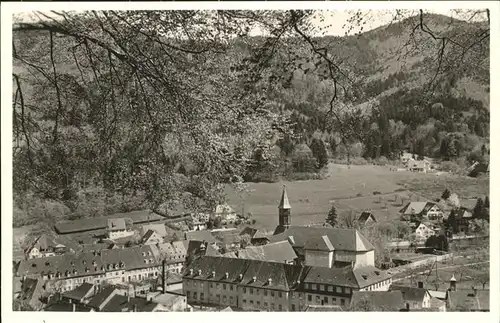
x,y
113,113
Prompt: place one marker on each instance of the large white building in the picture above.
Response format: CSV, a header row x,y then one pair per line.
x,y
320,246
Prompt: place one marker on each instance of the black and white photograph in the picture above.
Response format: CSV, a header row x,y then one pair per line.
x,y
329,158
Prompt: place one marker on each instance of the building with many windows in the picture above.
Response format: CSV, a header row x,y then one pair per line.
x,y
255,285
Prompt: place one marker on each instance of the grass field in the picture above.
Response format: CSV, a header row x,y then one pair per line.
x,y
311,199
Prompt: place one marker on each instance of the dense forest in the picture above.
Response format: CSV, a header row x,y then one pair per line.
x,y
112,115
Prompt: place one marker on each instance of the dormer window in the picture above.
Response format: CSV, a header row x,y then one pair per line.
x,y
94,263
85,262
116,266
191,272
75,272
144,254
365,277
122,264
377,272
67,273
47,263
33,265
72,263
145,261
149,253
87,270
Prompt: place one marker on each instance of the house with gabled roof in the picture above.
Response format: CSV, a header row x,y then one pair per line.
x,y
366,217
421,210
159,228
414,297
151,237
257,236
117,229
82,294
44,246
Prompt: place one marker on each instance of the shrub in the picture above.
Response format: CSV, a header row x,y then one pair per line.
x,y
377,193
401,189
359,195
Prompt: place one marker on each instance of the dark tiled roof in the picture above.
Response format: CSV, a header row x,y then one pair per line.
x,y
42,242
200,236
101,296
411,293
120,303
31,291
420,208
346,276
341,239
148,235
319,243
101,222
80,292
82,264
283,277
381,301
365,216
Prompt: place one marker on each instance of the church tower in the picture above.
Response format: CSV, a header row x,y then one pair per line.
x,y
284,208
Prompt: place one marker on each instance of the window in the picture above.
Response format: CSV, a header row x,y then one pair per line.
x,y
325,300
218,298
280,294
309,298
251,291
265,292
251,302
265,304
202,295
330,288
313,286
224,286
339,289
348,290
280,307
257,291
244,302
318,287
231,299
194,283
293,307
342,301
334,300
195,294
230,287
224,298
211,285
217,285
325,288
272,293
317,299
258,303
272,306
244,290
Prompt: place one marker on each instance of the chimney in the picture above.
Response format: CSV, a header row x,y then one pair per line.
x,y
227,275
74,307
240,276
191,271
213,274
164,275
420,284
269,281
254,278
199,272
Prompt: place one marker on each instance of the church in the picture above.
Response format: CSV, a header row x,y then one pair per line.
x,y
321,246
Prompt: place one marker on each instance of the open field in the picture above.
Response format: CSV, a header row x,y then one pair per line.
x,y
352,189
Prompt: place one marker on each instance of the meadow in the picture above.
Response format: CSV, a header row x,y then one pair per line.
x,y
351,189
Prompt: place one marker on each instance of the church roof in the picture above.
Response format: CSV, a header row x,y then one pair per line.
x,y
319,243
284,204
340,239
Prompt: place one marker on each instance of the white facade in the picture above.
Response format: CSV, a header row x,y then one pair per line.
x,y
424,232
117,234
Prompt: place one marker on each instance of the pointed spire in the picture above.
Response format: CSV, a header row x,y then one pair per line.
x,y
284,204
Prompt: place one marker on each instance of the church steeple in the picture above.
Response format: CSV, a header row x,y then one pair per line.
x,y
284,210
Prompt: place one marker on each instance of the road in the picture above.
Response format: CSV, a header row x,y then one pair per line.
x,y
445,267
